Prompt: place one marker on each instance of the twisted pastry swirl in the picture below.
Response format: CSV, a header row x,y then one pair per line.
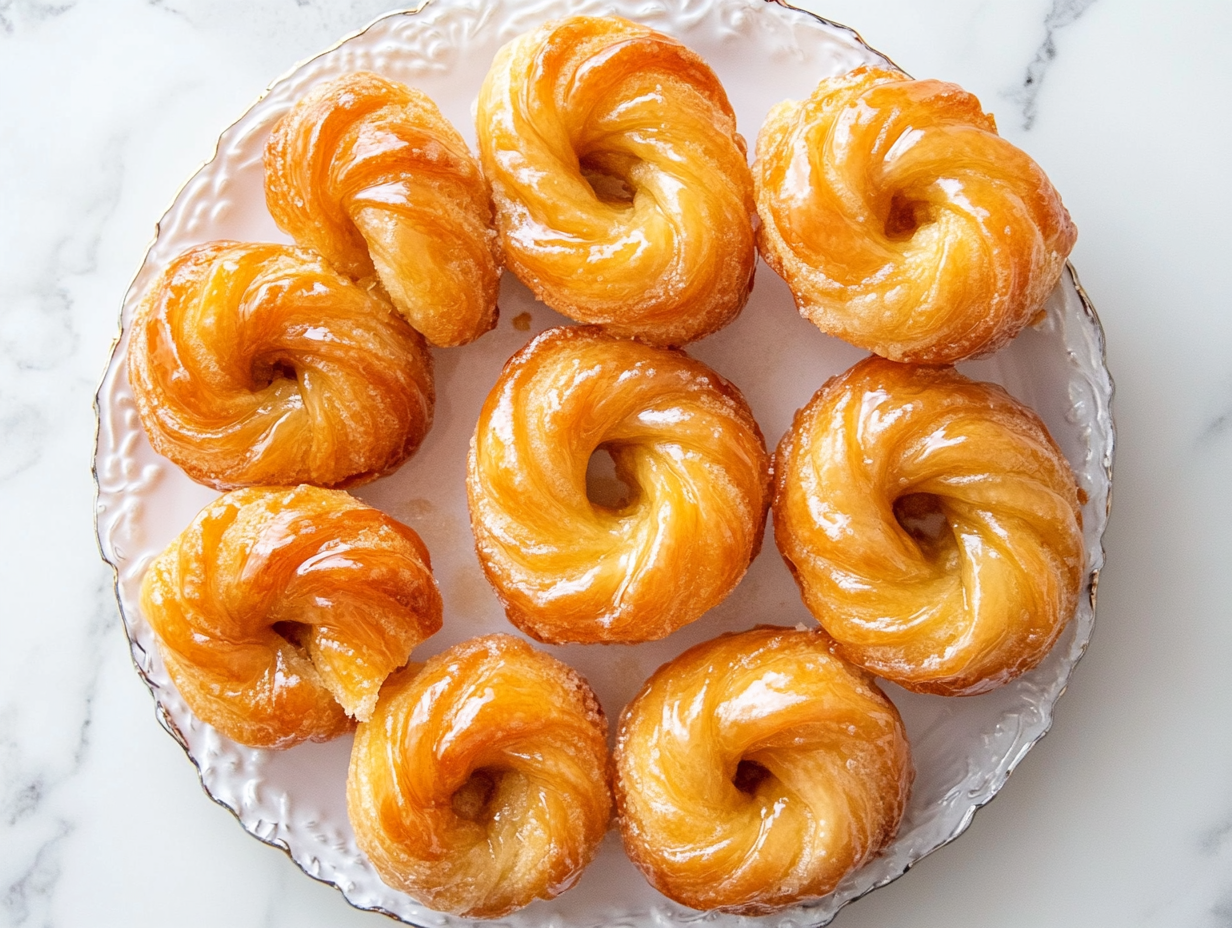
x,y
481,782
623,195
279,612
902,222
371,175
682,439
756,770
932,524
259,364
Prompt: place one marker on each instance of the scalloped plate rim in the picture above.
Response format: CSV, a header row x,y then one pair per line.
x,y
169,725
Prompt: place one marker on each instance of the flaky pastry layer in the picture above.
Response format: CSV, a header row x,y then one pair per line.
x,y
481,783
757,770
623,195
684,442
368,172
932,524
280,612
258,365
902,222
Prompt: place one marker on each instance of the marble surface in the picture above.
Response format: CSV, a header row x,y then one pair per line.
x,y
1123,815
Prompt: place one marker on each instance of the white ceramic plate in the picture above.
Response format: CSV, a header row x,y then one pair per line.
x,y
964,749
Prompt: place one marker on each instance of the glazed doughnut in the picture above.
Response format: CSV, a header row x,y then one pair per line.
x,y
757,770
902,222
682,439
932,524
481,783
259,364
371,175
279,612
622,190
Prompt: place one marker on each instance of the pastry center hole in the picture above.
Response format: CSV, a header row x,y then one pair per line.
x,y
610,188
471,800
604,488
749,776
265,373
923,518
905,217
294,633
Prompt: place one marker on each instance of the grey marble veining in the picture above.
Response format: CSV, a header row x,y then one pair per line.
x,y
1216,428
15,14
38,331
33,783
1062,13
1218,424
1122,815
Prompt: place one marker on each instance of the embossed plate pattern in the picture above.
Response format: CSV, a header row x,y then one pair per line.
x,y
964,749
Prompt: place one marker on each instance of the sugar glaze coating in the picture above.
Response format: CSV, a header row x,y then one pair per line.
x,y
279,612
481,783
902,222
932,524
683,440
256,364
623,195
368,173
757,770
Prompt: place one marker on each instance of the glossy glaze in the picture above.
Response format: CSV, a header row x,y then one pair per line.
x,y
279,612
683,441
967,747
368,172
622,192
932,524
758,769
902,222
481,782
259,364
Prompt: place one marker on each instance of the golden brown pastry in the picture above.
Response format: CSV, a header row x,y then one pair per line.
x,y
481,783
623,195
279,612
259,364
682,439
757,770
932,524
902,222
368,172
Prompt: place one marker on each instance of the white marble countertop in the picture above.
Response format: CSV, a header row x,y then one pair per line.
x,y
1121,816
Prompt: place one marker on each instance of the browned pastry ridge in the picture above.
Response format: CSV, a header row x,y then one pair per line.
x,y
902,222
260,365
932,524
368,173
279,612
481,782
757,770
683,440
623,195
